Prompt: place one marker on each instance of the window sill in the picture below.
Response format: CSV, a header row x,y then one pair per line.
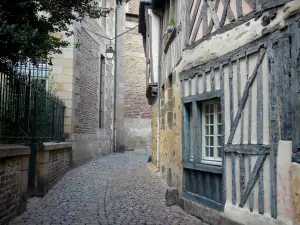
x,y
204,167
211,162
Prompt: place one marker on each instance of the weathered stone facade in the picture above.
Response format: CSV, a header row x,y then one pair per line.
x,y
155,129
137,120
14,161
295,180
76,77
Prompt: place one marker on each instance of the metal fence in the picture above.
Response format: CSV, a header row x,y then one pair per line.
x,y
29,112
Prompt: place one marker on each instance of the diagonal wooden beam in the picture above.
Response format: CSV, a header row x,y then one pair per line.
x,y
239,8
214,16
252,180
194,16
227,11
245,96
199,22
211,24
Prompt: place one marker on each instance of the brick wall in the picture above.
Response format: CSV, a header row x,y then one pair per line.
x,y
59,164
89,140
9,188
87,64
53,161
137,122
136,105
13,182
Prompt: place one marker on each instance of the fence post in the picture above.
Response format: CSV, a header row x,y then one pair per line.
x,y
33,143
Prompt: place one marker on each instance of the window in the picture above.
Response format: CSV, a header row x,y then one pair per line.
x,y
101,98
211,132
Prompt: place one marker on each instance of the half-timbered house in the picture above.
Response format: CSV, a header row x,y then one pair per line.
x,y
223,78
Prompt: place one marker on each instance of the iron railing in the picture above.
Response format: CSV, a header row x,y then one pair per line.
x,y
29,112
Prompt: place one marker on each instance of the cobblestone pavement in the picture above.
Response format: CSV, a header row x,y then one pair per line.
x,y
117,189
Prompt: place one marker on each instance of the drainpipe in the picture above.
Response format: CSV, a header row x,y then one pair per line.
x,y
115,80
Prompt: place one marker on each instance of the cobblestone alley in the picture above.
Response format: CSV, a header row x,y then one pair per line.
x,y
117,189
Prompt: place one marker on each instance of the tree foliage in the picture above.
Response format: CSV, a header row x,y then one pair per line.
x,y
27,26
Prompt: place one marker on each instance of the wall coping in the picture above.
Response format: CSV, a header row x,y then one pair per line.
x,y
7,150
49,146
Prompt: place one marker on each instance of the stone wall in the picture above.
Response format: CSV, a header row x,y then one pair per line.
x,y
170,159
91,141
155,129
136,105
75,77
295,177
137,121
59,164
53,161
13,181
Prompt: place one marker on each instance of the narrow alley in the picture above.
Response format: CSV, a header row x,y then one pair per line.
x,y
117,189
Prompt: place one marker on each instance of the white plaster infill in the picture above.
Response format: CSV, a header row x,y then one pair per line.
x,y
9,150
231,40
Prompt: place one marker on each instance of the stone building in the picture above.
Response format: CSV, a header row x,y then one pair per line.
x,y
137,122
223,83
84,79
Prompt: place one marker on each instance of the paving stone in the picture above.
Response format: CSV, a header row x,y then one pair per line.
x,y
117,189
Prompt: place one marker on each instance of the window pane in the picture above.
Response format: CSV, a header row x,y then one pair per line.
x,y
207,152
219,129
211,108
219,141
219,118
206,109
207,141
219,152
219,107
211,130
206,130
206,119
211,119
211,152
211,141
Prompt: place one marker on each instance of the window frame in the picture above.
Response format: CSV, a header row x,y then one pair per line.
x,y
196,122
215,160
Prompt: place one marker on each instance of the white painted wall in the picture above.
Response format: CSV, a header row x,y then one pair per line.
x,y
155,36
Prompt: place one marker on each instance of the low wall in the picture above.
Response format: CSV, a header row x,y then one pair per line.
x,y
14,161
207,215
53,161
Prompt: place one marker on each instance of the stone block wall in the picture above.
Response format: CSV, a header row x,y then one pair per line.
x,y
136,104
53,161
154,127
89,140
295,177
137,121
75,77
13,181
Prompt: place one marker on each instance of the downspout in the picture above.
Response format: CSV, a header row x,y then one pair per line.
x,y
115,79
